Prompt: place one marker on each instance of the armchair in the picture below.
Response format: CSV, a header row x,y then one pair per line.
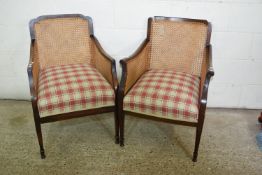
x,y
70,75
167,78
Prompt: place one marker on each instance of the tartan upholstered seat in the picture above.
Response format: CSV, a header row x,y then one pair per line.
x,y
73,87
165,94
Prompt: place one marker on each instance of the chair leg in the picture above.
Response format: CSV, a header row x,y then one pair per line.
x,y
116,127
40,138
121,126
197,141
38,129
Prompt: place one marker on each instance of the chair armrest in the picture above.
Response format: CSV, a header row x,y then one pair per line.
x,y
207,73
33,71
104,63
133,67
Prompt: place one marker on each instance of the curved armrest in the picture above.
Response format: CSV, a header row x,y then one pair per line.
x,y
207,73
133,67
33,72
104,63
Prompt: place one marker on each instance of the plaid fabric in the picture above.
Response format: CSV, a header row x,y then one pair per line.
x,y
73,87
165,94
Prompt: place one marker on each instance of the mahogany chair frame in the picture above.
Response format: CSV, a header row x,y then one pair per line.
x,y
32,69
206,74
260,118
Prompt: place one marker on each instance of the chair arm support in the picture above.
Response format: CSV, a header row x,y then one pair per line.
x,y
207,74
205,88
105,64
33,72
133,67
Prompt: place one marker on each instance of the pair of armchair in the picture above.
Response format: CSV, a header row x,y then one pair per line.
x,y
166,79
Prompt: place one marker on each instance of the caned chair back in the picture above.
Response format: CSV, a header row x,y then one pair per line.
x,y
62,40
177,44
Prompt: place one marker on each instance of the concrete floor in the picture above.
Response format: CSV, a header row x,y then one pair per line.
x,y
86,145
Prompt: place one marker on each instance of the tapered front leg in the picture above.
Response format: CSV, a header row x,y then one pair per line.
x,y
40,138
122,124
38,130
116,127
121,115
197,141
116,118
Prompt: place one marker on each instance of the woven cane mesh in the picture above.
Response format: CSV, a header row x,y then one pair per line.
x,y
103,65
205,64
178,45
136,67
35,65
62,41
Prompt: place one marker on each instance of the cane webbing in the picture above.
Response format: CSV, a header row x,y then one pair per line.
x,y
62,41
136,67
178,45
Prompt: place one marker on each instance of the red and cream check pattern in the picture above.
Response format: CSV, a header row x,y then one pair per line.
x,y
73,87
165,94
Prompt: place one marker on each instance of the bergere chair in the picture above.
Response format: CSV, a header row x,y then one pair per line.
x,y
70,75
167,78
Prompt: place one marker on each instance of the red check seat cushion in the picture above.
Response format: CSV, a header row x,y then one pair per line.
x,y
70,88
165,94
